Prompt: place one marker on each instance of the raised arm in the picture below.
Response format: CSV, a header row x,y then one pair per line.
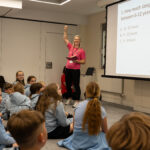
x,y
66,34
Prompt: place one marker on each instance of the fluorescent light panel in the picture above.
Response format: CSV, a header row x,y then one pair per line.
x,y
53,3
11,3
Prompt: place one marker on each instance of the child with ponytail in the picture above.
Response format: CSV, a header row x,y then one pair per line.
x,y
59,125
90,123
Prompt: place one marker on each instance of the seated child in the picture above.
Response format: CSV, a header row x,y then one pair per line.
x,y
30,81
5,138
19,78
8,88
57,123
19,101
2,85
35,90
90,123
132,132
28,129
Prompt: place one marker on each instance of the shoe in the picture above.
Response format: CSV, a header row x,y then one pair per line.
x,y
67,102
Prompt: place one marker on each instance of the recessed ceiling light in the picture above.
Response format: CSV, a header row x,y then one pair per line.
x,y
11,3
53,2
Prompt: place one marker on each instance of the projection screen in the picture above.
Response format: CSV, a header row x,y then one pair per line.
x,y
128,40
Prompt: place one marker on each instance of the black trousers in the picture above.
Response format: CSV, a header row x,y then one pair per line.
x,y
60,133
72,76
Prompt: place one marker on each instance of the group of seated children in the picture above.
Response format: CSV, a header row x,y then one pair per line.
x,y
27,128
86,129
18,96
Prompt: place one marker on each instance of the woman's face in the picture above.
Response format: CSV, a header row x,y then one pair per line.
x,y
76,41
20,76
59,90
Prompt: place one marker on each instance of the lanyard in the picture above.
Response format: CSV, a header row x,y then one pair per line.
x,y
75,52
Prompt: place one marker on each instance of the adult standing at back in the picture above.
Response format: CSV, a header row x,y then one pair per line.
x,y
73,66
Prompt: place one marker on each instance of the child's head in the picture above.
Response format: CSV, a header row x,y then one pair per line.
x,y
28,129
132,132
92,90
8,88
53,90
92,115
19,88
36,88
51,95
31,79
20,77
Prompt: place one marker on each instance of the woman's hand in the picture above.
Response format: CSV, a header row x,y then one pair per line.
x,y
65,28
65,34
75,61
79,61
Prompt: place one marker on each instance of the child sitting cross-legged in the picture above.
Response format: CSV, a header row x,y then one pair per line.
x,y
57,123
35,90
90,123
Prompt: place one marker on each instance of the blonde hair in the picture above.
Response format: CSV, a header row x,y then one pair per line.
x,y
92,115
18,88
132,132
74,38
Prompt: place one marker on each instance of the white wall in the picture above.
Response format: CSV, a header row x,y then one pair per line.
x,y
20,47
49,16
136,93
27,45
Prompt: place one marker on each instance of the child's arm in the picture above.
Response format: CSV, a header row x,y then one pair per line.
x,y
5,138
104,125
104,120
61,115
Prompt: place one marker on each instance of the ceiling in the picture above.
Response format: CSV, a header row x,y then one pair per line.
x,y
80,7
76,7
